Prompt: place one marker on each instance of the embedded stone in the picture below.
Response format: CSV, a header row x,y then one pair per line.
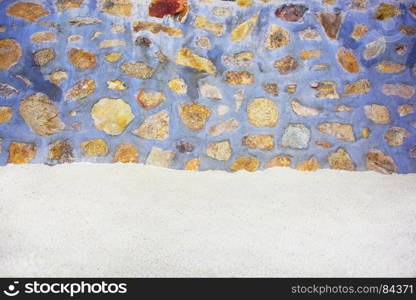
x,y
395,136
111,43
82,59
379,114
126,153
117,85
118,28
339,130
10,53
178,85
41,114
221,12
162,8
401,90
341,160
154,127
82,89
162,57
137,69
271,88
347,60
7,91
222,109
244,3
386,11
296,136
43,56
407,30
61,151
387,66
111,115
210,91
21,153
263,112
380,162
279,161
277,37
192,164
184,147
113,57
375,48
6,114
323,144
83,21
366,132
240,59
291,13
340,108
243,30
29,11
203,42
186,57
360,5
326,89
194,116
58,77
404,110
43,37
359,87
331,23
310,34
150,100
220,150
204,23
259,141
239,78
249,164
68,4
75,38
160,158
96,147
116,7
401,49
238,99
304,111
224,127
311,164
291,88
286,65
308,54
156,28
359,31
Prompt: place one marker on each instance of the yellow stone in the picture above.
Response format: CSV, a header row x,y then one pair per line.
x,y
6,114
117,7
347,60
279,161
178,85
43,37
194,115
259,141
192,164
96,147
82,59
326,89
386,11
339,130
58,76
113,57
239,77
111,43
220,150
308,54
154,127
111,115
243,30
202,22
68,4
244,3
359,87
366,132
126,153
341,160
249,164
277,37
312,164
10,53
29,11
387,66
82,89
21,153
117,85
150,100
43,56
263,112
188,58
137,69
359,31
61,151
156,28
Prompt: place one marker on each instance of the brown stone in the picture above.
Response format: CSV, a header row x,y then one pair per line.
x,y
240,59
271,88
239,78
29,11
331,22
249,164
96,147
43,37
162,8
7,91
395,136
387,66
259,141
41,114
10,53
326,89
341,160
137,69
6,114
359,87
194,116
126,153
82,59
21,153
82,89
359,31
347,60
310,53
311,164
405,109
61,151
58,77
386,11
278,161
380,162
156,28
339,130
291,13
116,7
277,37
286,65
68,4
43,56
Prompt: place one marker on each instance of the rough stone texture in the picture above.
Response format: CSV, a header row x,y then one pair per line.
x,y
21,153
231,85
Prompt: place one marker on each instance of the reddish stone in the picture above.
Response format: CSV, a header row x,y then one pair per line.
x,y
291,13
161,8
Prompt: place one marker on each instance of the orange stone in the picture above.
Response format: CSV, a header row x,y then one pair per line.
x,y
126,153
21,153
27,10
348,60
10,53
82,59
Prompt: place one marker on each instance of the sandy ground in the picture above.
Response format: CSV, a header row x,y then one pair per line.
x,y
129,220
